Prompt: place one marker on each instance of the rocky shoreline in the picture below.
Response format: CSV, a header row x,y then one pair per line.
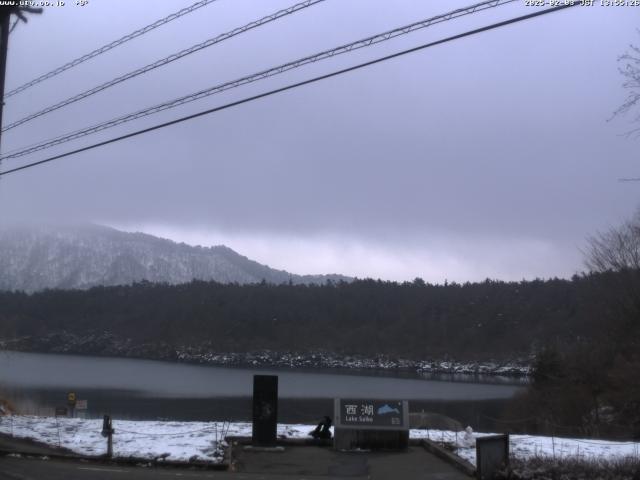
x,y
107,344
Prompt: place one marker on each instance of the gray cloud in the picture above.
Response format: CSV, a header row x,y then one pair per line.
x,y
489,156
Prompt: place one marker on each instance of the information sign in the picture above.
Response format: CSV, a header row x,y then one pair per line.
x,y
368,413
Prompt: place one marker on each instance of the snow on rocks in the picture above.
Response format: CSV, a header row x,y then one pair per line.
x,y
108,344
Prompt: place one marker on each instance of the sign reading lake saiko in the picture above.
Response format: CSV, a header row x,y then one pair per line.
x,y
372,413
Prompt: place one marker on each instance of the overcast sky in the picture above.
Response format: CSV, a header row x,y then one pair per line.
x,y
490,156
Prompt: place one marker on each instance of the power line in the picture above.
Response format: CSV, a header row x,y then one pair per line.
x,y
109,46
366,42
166,60
294,85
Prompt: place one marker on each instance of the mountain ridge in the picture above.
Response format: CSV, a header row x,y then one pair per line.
x,y
34,258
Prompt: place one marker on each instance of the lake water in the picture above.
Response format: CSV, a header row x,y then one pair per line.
x,y
131,388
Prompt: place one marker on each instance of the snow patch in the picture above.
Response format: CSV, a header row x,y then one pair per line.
x,y
204,441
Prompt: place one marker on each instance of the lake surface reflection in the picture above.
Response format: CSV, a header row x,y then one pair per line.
x,y
152,389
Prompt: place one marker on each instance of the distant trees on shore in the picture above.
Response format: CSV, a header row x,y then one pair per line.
x,y
471,321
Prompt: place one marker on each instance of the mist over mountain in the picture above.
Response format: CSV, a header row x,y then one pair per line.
x,y
80,257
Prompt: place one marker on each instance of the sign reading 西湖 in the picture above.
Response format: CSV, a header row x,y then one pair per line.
x,y
366,413
371,424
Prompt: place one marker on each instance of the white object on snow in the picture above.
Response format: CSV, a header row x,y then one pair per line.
x,y
468,440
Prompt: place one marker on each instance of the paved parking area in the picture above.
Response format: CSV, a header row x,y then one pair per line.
x,y
289,462
309,462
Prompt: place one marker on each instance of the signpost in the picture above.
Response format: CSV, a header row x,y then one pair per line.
x,y
71,401
371,424
61,411
108,431
81,408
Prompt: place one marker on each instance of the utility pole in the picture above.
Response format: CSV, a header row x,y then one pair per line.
x,y
4,39
5,22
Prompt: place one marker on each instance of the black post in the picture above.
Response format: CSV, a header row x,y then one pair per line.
x,y
265,410
108,431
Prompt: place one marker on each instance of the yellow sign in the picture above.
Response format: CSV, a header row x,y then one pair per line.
x,y
71,398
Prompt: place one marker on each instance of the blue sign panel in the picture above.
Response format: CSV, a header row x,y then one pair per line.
x,y
372,413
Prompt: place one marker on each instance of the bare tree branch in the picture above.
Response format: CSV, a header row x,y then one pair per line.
x,y
630,70
616,250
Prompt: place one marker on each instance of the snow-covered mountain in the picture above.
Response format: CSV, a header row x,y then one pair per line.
x,y
78,257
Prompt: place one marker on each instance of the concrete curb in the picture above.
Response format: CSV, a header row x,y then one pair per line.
x,y
447,456
28,447
131,461
299,442
56,456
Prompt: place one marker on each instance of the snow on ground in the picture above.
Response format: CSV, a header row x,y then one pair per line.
x,y
175,441
182,441
526,446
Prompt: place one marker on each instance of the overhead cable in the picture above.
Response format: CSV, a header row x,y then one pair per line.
x,y
293,86
109,46
165,61
365,42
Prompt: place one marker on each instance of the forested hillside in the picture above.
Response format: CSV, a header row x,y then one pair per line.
x,y
34,258
473,321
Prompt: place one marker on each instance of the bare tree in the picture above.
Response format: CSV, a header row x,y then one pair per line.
x,y
617,250
615,256
630,70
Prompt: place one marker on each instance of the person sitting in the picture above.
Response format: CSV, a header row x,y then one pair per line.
x,y
322,430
